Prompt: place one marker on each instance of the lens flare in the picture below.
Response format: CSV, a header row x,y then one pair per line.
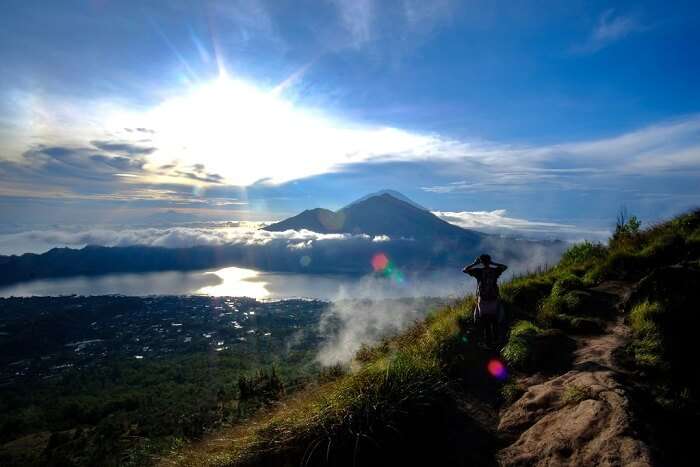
x,y
380,262
497,369
382,265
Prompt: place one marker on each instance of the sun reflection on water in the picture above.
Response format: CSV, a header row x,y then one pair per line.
x,y
237,282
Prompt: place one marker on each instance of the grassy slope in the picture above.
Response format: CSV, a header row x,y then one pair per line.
x,y
424,396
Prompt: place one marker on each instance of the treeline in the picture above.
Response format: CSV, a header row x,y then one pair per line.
x,y
126,412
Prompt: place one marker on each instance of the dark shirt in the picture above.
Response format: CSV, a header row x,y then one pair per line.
x,y
487,281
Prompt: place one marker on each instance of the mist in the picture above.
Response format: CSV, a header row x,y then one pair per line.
x,y
354,319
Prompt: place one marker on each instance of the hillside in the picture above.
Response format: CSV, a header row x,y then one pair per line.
x,y
595,370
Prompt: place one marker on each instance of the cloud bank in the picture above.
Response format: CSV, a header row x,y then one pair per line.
x,y
497,222
38,241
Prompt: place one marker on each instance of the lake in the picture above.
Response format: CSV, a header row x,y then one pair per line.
x,y
240,282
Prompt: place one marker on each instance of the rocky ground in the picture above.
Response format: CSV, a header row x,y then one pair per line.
x,y
582,417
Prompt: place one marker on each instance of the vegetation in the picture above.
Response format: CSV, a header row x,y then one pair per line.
x,y
574,394
94,403
511,391
518,349
647,347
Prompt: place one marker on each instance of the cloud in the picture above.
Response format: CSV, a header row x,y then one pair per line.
x,y
48,165
123,148
496,222
357,18
197,172
669,147
610,28
96,172
38,241
350,323
403,23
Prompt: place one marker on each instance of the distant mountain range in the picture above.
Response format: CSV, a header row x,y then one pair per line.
x,y
412,237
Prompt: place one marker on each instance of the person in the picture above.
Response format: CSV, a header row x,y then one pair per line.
x,y
488,311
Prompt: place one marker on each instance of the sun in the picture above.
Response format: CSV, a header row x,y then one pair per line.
x,y
232,128
247,134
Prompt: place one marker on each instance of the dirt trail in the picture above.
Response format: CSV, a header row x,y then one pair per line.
x,y
582,417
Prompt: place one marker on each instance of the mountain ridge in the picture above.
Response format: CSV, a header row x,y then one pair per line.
x,y
380,214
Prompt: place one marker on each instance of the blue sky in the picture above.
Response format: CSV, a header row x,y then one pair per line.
x,y
556,112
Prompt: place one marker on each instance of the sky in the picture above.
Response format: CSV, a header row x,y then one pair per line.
x,y
542,115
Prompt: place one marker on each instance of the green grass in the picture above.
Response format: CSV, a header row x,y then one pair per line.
x,y
647,347
574,394
518,350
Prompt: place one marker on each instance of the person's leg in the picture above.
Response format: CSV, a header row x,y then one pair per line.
x,y
495,326
488,325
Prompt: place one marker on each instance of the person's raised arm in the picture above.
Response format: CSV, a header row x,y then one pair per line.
x,y
501,267
471,266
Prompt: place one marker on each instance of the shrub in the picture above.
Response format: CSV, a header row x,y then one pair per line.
x,y
619,265
666,248
574,394
517,350
523,294
567,282
647,347
555,305
511,391
626,233
582,254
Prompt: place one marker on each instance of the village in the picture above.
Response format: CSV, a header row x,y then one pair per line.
x,y
43,337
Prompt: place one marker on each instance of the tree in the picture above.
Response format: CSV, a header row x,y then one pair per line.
x,y
626,225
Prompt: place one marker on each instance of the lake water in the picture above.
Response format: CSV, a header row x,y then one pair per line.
x,y
241,282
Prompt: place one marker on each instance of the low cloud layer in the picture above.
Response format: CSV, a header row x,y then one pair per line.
x,y
38,241
497,222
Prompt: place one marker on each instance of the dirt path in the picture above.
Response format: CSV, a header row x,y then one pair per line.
x,y
582,417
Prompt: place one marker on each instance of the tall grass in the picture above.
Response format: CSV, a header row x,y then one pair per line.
x,y
518,349
647,347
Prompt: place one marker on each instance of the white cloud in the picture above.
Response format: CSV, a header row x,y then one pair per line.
x,y
364,322
357,17
38,241
497,222
610,28
666,147
398,21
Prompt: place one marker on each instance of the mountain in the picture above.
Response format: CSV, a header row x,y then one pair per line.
x,y
393,193
380,214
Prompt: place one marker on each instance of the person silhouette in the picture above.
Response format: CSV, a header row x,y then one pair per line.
x,y
487,312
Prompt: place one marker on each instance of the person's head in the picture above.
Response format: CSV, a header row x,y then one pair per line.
x,y
485,259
